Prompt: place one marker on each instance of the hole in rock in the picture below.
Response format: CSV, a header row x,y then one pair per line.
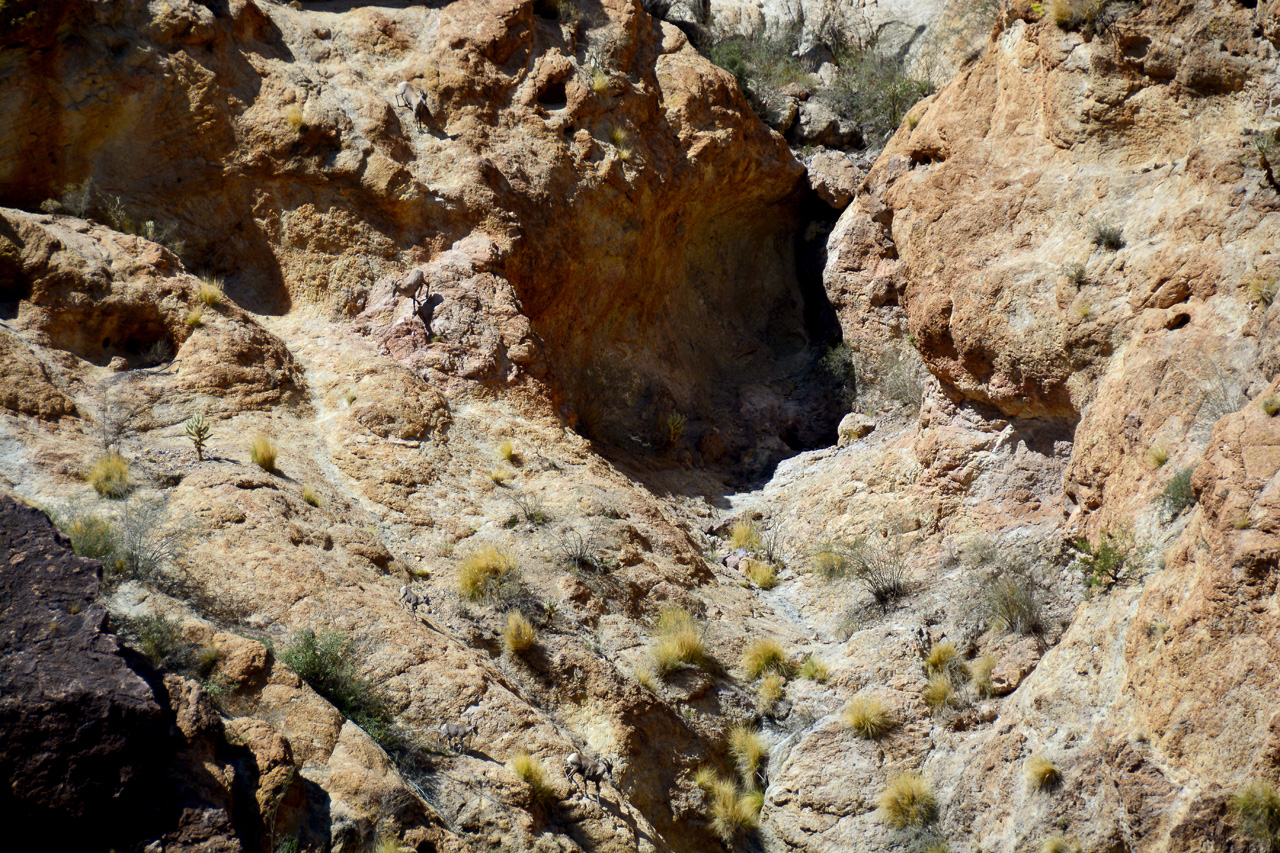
x,y
553,95
135,332
1177,321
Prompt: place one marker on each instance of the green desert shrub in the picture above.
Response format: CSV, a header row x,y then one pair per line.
x,y
1177,494
326,662
1103,564
1106,235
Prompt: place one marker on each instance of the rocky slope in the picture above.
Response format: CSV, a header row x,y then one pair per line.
x,y
1061,258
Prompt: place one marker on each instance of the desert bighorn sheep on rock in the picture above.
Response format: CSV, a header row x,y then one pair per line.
x,y
411,600
459,734
413,99
591,771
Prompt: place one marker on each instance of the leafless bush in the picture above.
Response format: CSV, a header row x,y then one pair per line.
x,y
1011,601
530,508
117,411
579,552
876,563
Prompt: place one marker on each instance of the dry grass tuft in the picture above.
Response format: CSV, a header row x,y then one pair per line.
x,y
263,453
600,81
507,452
500,475
1060,844
293,117
519,635
745,535
908,801
980,675
814,669
733,813
763,574
530,770
1042,774
483,570
1257,805
868,716
644,677
309,495
769,693
195,318
109,475
1157,455
765,655
943,659
706,777
939,694
679,642
210,292
747,750
1270,404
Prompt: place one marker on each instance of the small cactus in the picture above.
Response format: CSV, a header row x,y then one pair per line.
x,y
198,432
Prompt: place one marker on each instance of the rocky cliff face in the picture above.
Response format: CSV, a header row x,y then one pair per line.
x,y
1054,286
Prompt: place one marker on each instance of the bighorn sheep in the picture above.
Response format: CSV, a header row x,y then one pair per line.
x,y
591,771
411,600
414,100
457,733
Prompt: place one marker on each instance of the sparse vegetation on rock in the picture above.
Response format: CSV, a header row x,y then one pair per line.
x,y
486,573
519,634
262,451
326,661
868,716
908,801
1257,807
1042,774
109,475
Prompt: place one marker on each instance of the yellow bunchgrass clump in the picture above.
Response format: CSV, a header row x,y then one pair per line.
x,y
263,453
500,475
745,535
294,118
1242,521
1257,806
482,569
980,675
939,694
644,677
195,318
747,749
507,452
1270,404
732,812
519,635
706,777
1157,455
908,801
600,81
868,716
769,692
764,655
1060,844
529,769
210,292
762,574
109,475
309,495
944,659
1262,289
813,669
1041,773
678,642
